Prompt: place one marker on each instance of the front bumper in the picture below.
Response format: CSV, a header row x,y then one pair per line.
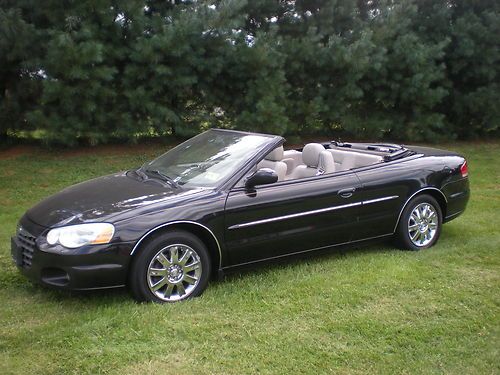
x,y
89,267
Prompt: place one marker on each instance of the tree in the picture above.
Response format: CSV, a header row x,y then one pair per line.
x,y
100,70
19,80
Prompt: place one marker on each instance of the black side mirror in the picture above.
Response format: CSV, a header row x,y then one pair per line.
x,y
263,176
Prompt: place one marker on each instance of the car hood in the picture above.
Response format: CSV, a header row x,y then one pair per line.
x,y
103,199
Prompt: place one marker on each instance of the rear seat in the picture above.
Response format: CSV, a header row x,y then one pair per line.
x,y
347,159
343,160
292,159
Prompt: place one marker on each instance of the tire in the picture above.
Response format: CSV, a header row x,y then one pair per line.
x,y
171,267
420,224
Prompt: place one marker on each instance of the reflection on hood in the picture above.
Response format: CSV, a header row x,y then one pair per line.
x,y
103,198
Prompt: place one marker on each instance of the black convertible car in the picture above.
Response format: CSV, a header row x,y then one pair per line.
x,y
226,199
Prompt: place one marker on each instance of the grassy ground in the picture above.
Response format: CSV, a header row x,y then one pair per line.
x,y
372,310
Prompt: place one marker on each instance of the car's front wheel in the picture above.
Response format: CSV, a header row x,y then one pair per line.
x,y
420,223
171,267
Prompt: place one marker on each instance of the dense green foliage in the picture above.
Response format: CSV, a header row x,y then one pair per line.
x,y
102,69
376,310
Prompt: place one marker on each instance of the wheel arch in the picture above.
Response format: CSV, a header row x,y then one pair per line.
x,y
197,229
437,194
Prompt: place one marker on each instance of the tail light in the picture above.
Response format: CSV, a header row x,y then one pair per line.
x,y
464,170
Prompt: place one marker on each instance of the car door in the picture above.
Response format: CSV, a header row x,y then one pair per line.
x,y
290,217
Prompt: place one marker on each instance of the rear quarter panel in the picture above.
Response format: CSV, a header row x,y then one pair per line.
x,y
454,186
439,175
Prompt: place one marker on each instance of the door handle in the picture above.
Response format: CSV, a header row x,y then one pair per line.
x,y
346,193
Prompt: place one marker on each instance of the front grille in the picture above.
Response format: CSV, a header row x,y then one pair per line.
x,y
27,244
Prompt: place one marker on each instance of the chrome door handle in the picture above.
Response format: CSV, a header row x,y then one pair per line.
x,y
346,193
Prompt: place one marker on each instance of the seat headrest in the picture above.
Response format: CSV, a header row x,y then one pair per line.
x,y
310,154
326,162
276,154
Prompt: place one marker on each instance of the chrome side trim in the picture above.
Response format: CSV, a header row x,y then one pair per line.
x,y
180,222
380,199
306,251
307,213
291,216
460,193
411,196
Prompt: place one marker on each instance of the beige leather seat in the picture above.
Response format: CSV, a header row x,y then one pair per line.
x,y
292,158
348,160
273,161
317,161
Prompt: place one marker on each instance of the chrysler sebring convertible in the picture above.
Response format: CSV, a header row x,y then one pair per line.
x,y
228,199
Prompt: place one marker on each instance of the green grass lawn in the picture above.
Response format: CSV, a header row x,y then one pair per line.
x,y
371,310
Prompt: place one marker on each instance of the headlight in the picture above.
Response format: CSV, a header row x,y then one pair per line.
x,y
74,236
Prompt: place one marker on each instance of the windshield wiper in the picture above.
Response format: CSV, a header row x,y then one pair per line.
x,y
163,176
139,172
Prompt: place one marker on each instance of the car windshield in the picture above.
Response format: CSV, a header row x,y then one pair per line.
x,y
207,159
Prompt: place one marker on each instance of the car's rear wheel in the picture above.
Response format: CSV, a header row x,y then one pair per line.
x,y
171,267
420,223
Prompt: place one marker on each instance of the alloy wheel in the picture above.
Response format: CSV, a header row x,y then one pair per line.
x,y
423,224
174,272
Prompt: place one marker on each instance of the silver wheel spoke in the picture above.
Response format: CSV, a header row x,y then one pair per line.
x,y
159,284
423,212
163,260
185,257
422,238
190,279
180,289
191,267
157,271
169,290
428,211
413,227
174,255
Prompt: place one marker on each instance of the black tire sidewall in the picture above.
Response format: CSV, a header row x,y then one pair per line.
x,y
403,237
137,280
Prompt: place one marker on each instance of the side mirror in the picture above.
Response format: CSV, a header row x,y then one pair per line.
x,y
263,176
